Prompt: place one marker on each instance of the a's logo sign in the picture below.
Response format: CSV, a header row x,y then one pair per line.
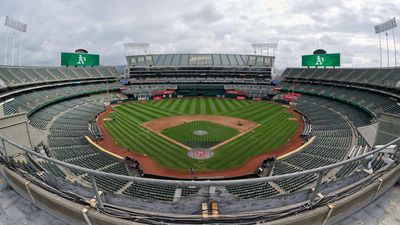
x,y
320,61
81,60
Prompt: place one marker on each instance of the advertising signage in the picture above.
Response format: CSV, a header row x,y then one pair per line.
x,y
79,59
321,60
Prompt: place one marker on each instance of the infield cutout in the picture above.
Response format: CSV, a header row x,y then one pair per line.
x,y
160,125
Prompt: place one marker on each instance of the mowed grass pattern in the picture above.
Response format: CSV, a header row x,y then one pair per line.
x,y
185,133
275,130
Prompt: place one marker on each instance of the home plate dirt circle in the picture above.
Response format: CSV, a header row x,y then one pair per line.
x,y
200,132
200,154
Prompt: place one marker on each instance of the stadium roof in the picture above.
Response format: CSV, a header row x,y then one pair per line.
x,y
217,60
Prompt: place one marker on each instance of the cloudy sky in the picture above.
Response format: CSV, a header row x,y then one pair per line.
x,y
223,26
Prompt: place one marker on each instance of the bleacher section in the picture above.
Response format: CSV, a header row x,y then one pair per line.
x,y
252,90
67,143
200,60
373,102
17,76
373,90
206,80
382,77
147,89
333,124
203,69
33,100
252,191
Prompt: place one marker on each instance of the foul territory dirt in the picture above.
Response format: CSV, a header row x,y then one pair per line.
x,y
149,166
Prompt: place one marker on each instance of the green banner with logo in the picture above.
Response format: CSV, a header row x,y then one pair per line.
x,y
321,60
79,59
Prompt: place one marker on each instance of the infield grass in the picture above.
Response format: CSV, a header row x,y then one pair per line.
x,y
215,133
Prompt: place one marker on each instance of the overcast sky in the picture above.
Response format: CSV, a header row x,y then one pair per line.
x,y
206,26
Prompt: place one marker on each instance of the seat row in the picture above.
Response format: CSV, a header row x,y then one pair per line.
x,y
17,76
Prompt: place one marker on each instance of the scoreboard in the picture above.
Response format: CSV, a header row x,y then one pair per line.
x,y
321,60
79,59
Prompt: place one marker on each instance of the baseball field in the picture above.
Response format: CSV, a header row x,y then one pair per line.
x,y
165,130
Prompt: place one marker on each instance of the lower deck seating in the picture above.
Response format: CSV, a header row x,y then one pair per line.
x,y
151,191
333,127
252,191
29,101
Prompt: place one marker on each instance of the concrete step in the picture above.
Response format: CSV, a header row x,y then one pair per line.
x,y
3,183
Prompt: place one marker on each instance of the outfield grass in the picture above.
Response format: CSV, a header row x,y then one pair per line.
x,y
275,130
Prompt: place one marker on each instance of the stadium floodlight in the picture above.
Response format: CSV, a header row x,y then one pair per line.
x,y
131,47
136,45
384,27
264,45
15,25
268,46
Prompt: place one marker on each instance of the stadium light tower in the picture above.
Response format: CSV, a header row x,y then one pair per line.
x,y
130,48
15,25
385,27
267,46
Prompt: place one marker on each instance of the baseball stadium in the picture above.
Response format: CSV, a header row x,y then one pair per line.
x,y
199,138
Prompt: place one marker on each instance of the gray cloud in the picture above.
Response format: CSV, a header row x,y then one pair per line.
x,y
206,15
226,26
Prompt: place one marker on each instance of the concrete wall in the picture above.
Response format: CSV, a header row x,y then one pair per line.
x,y
37,135
15,128
388,129
73,212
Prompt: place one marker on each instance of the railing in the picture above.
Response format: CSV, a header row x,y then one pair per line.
x,y
92,173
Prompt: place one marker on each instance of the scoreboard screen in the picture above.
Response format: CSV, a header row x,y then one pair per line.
x,y
321,60
79,59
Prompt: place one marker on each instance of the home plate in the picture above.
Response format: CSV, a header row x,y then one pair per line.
x,y
200,154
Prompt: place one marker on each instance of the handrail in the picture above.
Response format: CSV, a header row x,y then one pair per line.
x,y
192,182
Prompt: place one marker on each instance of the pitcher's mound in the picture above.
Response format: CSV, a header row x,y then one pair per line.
x,y
200,132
